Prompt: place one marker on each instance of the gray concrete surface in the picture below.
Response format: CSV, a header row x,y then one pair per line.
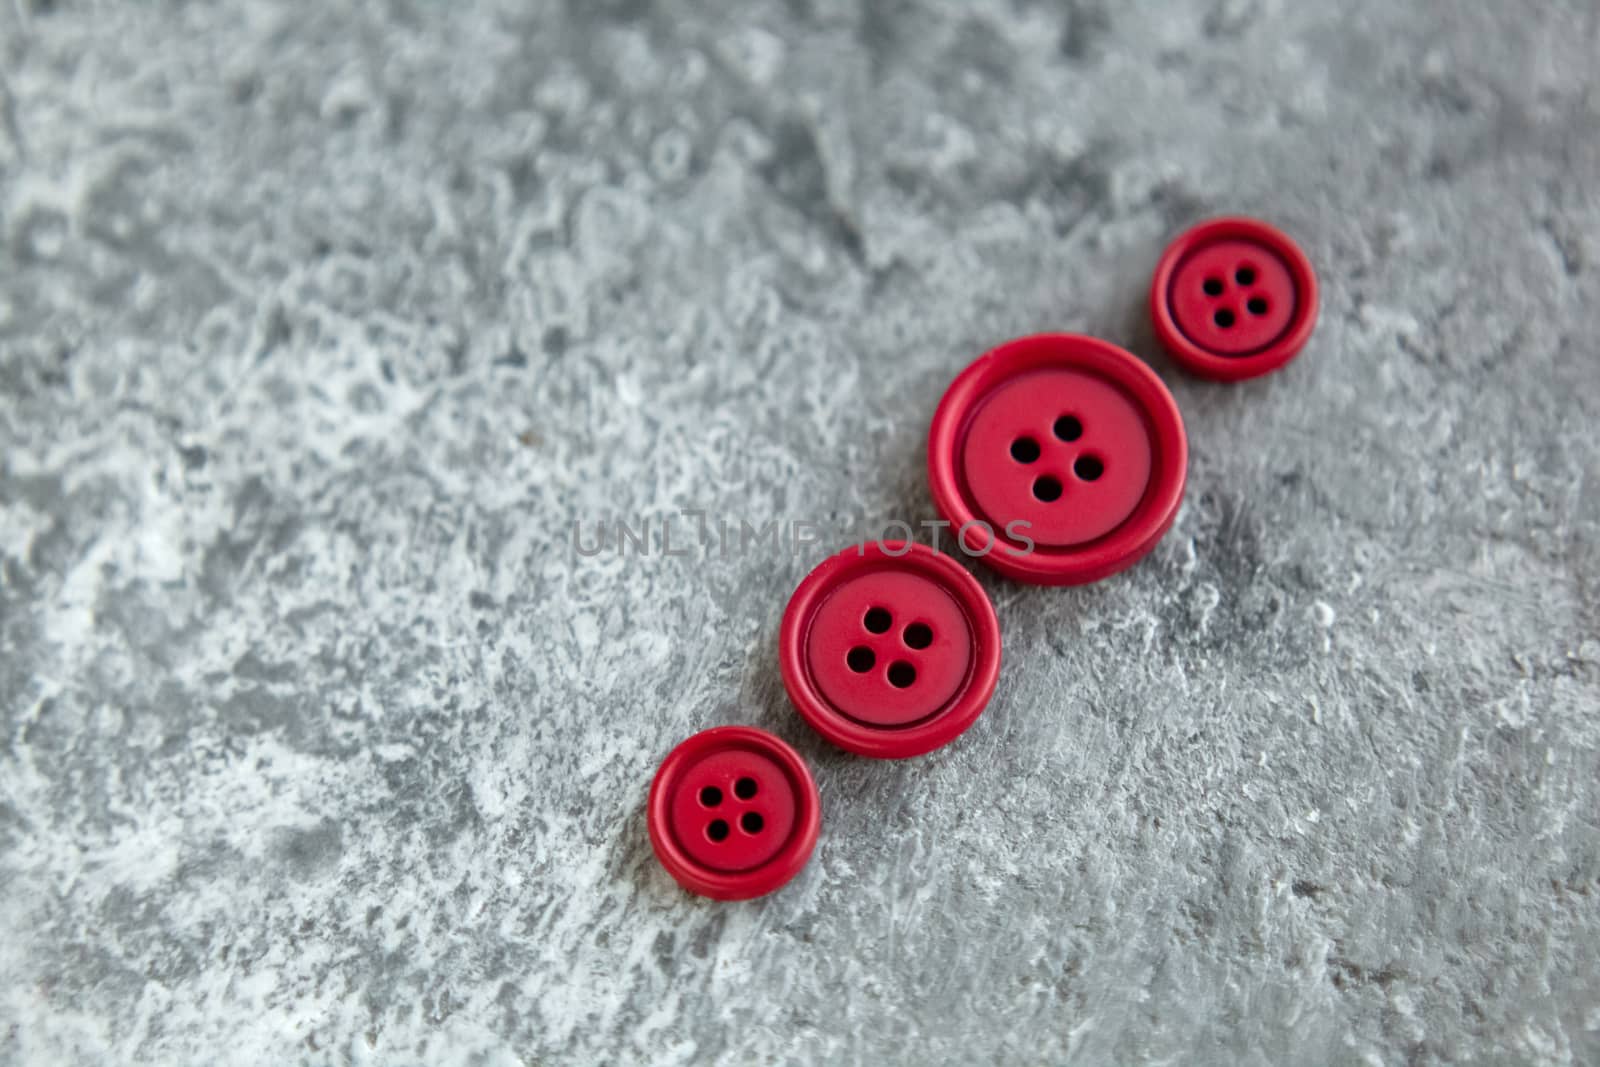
x,y
322,324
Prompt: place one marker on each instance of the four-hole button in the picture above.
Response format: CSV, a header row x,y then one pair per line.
x,y
1058,458
890,649
1233,298
733,813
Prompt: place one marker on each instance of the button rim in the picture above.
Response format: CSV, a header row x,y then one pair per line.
x,y
1136,535
1220,366
930,732
777,872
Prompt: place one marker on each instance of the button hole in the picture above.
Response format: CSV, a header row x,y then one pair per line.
x,y
1047,488
878,621
918,635
744,788
860,659
751,822
1258,305
1213,286
711,796
1225,318
1024,450
718,830
901,674
1245,276
1088,467
1068,428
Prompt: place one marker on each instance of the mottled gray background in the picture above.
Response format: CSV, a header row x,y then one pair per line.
x,y
321,324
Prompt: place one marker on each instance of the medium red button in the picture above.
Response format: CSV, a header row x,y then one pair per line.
x,y
733,813
1233,298
890,649
1060,459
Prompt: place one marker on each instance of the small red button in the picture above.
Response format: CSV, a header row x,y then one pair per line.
x,y
890,649
1060,459
1233,298
733,813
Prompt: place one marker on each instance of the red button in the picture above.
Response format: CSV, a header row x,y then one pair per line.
x,y
733,813
890,649
1233,299
1060,459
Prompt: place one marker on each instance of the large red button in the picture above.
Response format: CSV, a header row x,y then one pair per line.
x,y
890,649
1058,458
733,813
1233,298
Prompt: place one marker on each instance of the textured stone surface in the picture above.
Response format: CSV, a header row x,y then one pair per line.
x,y
321,325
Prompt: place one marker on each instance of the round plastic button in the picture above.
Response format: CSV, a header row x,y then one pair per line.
x,y
1233,298
733,813
890,649
1059,459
